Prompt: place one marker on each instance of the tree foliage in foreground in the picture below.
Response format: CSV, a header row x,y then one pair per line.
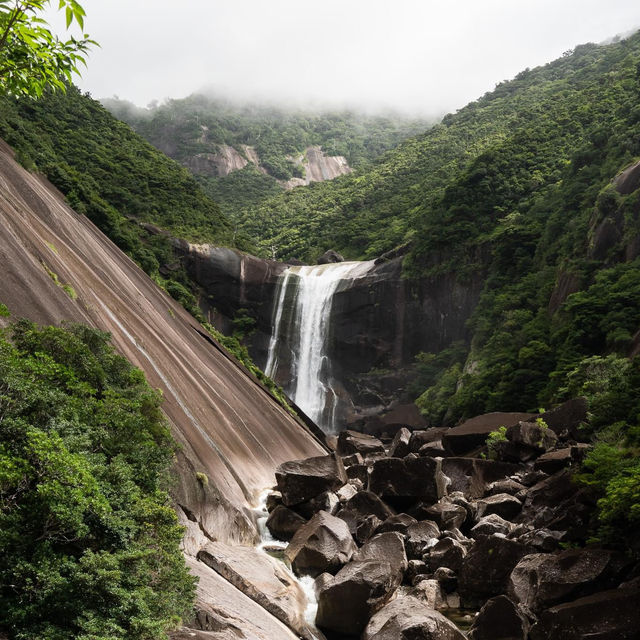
x,y
32,58
90,543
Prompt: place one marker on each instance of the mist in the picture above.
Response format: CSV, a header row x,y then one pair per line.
x,y
414,56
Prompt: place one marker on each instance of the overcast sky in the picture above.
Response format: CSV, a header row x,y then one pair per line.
x,y
414,55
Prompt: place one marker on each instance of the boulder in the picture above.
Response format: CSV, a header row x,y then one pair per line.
x,y
473,433
346,492
283,523
501,504
404,478
301,480
420,537
542,539
608,615
486,568
567,417
273,500
327,501
330,257
261,578
398,522
385,546
416,570
322,544
420,438
447,578
431,594
352,459
559,504
352,442
554,461
433,449
488,525
448,553
359,589
408,618
541,580
359,472
510,486
399,447
446,514
499,619
364,513
526,441
472,476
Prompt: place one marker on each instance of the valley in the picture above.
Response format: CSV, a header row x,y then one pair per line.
x,y
268,373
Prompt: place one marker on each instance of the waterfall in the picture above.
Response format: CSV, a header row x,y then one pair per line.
x,y
303,306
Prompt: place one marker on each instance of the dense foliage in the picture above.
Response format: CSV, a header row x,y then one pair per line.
x,y
90,544
199,124
32,58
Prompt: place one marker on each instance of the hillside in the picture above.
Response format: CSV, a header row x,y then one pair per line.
x,y
543,116
244,153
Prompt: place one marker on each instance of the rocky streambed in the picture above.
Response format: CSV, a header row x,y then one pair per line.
x,y
409,533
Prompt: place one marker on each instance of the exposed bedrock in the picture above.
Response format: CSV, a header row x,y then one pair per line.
x,y
379,320
231,433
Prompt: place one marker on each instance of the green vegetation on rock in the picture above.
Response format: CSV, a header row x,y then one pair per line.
x,y
192,128
90,543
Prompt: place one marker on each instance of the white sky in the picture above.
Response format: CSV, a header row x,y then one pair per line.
x,y
414,55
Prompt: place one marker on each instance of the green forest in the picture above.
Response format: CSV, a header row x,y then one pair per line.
x,y
517,188
199,124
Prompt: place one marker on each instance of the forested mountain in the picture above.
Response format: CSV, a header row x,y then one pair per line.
x,y
118,180
244,153
531,125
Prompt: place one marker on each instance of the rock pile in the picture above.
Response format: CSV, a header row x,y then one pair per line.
x,y
396,536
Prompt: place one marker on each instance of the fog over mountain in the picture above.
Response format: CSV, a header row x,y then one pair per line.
x,y
418,56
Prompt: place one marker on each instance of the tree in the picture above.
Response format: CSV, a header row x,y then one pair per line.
x,y
32,58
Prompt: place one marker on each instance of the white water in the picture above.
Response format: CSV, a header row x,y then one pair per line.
x,y
267,541
315,287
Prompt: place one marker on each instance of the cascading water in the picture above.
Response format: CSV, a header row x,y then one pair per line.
x,y
302,319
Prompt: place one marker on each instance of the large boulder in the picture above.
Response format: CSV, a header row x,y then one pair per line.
x,y
608,615
473,433
283,523
409,478
527,440
385,546
559,504
352,442
448,553
408,618
399,522
364,513
542,580
501,504
301,480
420,537
446,514
420,438
567,417
404,415
499,619
322,544
262,579
488,525
399,446
486,568
473,476
359,589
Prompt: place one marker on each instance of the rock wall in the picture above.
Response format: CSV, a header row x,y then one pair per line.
x,y
317,167
228,426
378,323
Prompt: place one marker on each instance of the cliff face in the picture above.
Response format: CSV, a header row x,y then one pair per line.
x,y
228,427
379,322
317,167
